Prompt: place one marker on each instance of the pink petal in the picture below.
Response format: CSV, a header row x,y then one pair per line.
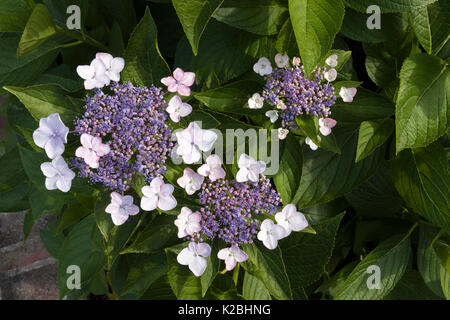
x,y
178,74
168,81
188,79
184,90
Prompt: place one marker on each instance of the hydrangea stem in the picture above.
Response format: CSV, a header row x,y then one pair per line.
x,y
236,274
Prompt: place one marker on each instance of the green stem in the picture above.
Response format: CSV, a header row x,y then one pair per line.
x,y
236,274
83,38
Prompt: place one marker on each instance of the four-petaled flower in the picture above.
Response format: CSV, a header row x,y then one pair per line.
x,y
180,82
51,135
263,67
112,65
272,115
194,257
282,133
281,60
190,181
94,75
91,150
249,169
332,60
58,175
212,168
120,208
347,94
270,233
296,61
325,125
188,222
330,75
191,140
290,219
256,101
232,256
177,109
158,195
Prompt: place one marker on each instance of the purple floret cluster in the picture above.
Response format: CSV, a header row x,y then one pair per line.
x,y
299,94
230,208
132,121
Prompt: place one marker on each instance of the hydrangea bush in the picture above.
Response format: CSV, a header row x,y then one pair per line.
x,y
118,114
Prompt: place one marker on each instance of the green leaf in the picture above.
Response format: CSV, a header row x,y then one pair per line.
x,y
315,252
388,5
431,25
75,250
38,29
430,265
16,71
223,288
373,134
185,285
287,179
194,15
62,76
145,65
366,105
263,17
384,60
422,178
286,42
377,197
411,287
392,257
224,53
327,175
12,172
231,98
254,289
158,234
268,266
212,268
316,23
43,100
309,126
354,27
421,114
145,269
334,284
14,15
12,197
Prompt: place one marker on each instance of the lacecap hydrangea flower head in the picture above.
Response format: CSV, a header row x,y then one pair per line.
x,y
124,132
237,211
292,93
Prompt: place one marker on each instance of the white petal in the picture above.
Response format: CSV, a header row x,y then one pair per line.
x,y
117,65
242,175
198,266
167,203
40,137
203,249
270,242
118,219
149,203
86,72
64,184
50,183
185,257
106,58
48,169
54,147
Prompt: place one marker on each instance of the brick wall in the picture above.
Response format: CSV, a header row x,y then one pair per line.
x,y
27,272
